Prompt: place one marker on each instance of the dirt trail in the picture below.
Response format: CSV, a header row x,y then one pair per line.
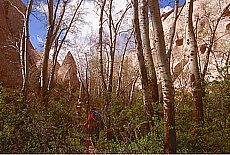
x,y
89,146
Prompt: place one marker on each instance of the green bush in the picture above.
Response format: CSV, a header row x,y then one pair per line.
x,y
58,129
54,130
212,137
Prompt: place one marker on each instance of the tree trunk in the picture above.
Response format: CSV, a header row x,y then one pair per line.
x,y
144,78
194,73
24,50
132,90
121,66
48,45
167,85
173,28
104,88
111,50
152,79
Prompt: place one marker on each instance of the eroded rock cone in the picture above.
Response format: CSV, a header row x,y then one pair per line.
x,y
67,74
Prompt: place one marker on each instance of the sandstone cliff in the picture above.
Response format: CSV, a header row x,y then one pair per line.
x,y
205,15
10,28
11,22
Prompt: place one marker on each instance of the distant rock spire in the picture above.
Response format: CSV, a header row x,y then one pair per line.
x,y
67,74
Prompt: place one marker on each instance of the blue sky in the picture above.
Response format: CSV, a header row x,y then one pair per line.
x,y
38,28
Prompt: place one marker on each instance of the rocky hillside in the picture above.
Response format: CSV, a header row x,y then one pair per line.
x,y
205,15
11,22
10,28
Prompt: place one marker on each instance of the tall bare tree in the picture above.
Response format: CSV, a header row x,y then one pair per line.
x,y
106,96
58,46
122,64
211,41
167,84
52,30
194,73
53,33
114,28
24,41
152,78
143,72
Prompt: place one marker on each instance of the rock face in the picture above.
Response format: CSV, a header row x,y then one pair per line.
x,y
10,28
11,22
205,15
67,74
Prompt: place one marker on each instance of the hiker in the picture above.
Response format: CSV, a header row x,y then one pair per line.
x,y
94,124
78,109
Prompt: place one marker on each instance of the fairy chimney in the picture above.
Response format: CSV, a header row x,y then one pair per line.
x,y
67,74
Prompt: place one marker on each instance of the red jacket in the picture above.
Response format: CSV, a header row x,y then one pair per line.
x,y
92,124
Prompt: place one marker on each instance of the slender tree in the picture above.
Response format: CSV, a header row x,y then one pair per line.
x,y
53,33
24,41
194,73
58,46
173,28
152,78
106,96
167,84
144,77
114,28
122,64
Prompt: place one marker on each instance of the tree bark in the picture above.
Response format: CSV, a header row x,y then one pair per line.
x,y
152,78
144,77
167,85
121,65
194,73
24,50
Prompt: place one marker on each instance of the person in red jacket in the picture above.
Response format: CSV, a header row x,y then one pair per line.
x,y
92,124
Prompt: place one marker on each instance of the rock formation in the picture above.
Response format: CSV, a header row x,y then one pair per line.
x,y
10,28
11,22
205,15
67,74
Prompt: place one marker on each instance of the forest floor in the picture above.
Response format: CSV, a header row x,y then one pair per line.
x,y
90,149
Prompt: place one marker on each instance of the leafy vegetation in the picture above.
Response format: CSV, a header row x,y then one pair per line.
x,y
58,129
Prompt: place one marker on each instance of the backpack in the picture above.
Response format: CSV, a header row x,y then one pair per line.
x,y
98,120
96,116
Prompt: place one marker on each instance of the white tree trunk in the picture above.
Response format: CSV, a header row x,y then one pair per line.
x,y
194,73
167,85
148,52
24,50
144,78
